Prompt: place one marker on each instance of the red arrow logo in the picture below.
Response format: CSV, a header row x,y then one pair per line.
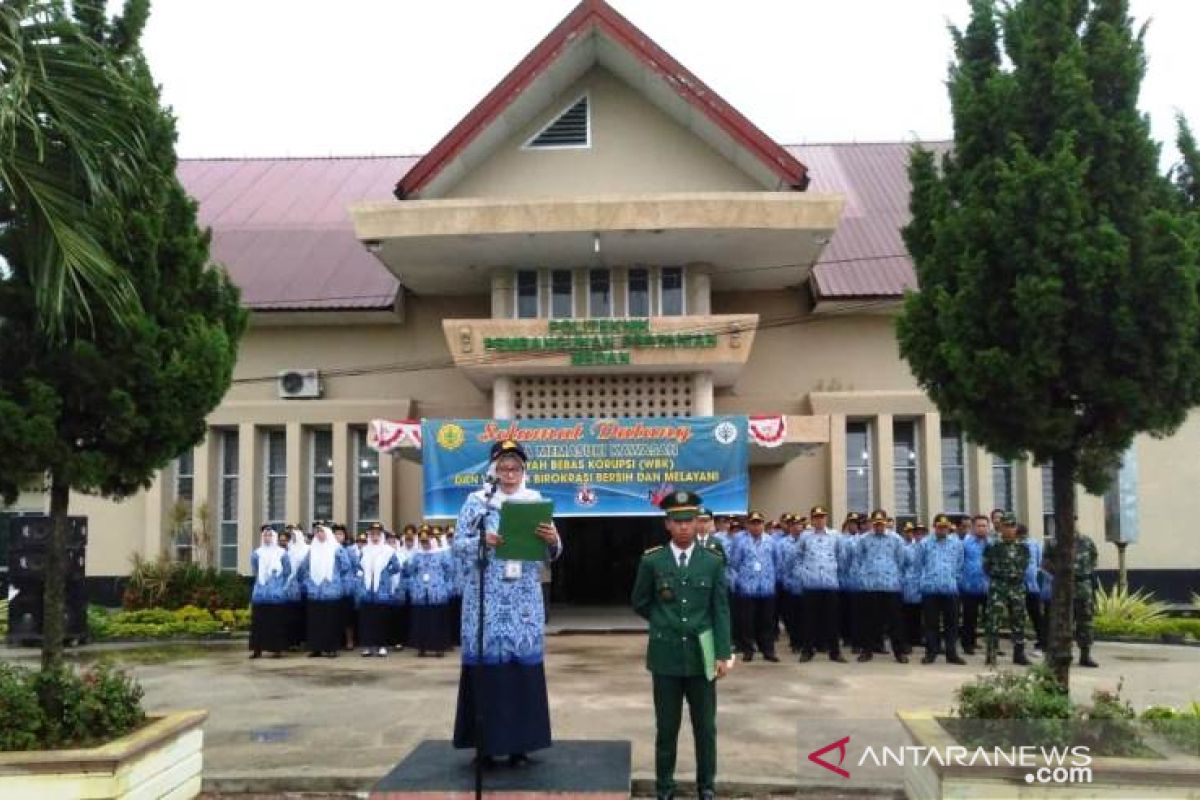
x,y
840,746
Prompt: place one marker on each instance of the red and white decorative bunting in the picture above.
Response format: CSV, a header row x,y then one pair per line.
x,y
387,435
768,431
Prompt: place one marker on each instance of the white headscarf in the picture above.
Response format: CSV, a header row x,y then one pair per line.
x,y
297,549
375,558
270,558
523,492
322,556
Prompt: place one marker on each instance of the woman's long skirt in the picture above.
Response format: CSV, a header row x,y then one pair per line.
x,y
295,623
400,625
373,624
429,630
349,614
324,625
516,709
269,627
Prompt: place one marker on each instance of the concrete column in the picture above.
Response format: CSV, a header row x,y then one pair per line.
x,y
882,466
930,454
1028,480
297,485
979,472
204,494
699,291
387,491
503,292
342,472
159,497
702,394
250,493
837,469
502,397
620,291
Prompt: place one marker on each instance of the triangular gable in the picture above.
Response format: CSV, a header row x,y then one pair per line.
x,y
594,32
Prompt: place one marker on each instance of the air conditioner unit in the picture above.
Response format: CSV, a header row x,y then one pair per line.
x,y
298,384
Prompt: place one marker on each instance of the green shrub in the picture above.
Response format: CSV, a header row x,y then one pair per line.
x,y
1121,605
1155,630
175,584
63,708
1180,727
159,623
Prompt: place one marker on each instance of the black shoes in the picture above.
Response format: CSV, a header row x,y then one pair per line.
x,y
256,654
838,657
865,655
805,657
955,659
929,658
901,658
1019,655
1085,657
748,656
774,659
518,760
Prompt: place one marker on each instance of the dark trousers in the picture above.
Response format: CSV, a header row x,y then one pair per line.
x,y
847,632
735,620
669,694
790,610
881,615
757,616
820,608
973,606
913,629
1033,604
941,624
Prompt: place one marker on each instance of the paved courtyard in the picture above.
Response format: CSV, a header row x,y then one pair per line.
x,y
338,723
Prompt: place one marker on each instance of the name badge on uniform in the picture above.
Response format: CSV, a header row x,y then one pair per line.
x,y
425,577
757,567
512,570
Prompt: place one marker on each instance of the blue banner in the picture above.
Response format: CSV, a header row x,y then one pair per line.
x,y
594,467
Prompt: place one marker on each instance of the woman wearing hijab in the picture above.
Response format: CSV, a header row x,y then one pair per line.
x,y
377,565
268,599
510,669
428,576
350,587
323,574
297,550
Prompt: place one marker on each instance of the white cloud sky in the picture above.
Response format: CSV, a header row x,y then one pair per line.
x,y
356,77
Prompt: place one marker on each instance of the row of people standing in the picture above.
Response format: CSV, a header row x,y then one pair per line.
x,y
867,584
331,593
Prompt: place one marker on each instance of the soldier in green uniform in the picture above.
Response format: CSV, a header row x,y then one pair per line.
x,y
1004,563
680,589
704,532
1084,606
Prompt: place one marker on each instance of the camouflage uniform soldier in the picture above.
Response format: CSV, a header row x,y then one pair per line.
x,y
1085,604
1004,562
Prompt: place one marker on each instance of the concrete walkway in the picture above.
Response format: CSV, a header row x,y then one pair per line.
x,y
336,724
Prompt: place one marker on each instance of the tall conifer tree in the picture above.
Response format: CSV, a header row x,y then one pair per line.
x,y
1058,314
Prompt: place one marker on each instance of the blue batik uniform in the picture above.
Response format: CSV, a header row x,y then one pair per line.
x,y
910,586
276,589
879,561
325,612
973,586
753,561
332,589
511,662
817,561
271,611
941,565
791,589
1035,564
383,592
350,580
430,577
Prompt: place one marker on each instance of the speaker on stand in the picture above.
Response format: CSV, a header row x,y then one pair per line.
x,y
28,545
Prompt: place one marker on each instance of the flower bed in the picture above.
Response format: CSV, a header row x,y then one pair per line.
x,y
161,623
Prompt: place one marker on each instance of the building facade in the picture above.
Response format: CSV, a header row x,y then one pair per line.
x,y
599,180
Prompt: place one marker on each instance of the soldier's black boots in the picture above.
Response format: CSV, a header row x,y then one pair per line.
x,y
989,660
707,794
929,658
806,656
1019,655
955,658
865,655
1085,657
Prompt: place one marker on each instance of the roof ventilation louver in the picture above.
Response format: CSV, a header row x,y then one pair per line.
x,y
571,128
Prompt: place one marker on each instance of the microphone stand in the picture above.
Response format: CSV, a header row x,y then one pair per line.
x,y
481,559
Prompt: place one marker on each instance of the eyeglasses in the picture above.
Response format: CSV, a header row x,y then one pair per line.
x,y
510,468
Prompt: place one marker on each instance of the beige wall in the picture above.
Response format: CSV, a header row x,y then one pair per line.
x,y
635,148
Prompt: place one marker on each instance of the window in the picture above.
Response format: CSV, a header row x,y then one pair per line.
x,y
858,466
570,129
527,294
670,300
275,478
905,469
639,293
954,469
366,482
1003,494
321,482
227,542
562,294
599,293
1048,500
185,477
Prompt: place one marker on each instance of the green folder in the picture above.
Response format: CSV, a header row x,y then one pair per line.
x,y
518,527
708,653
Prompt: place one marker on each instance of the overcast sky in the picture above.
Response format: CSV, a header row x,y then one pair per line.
x,y
358,77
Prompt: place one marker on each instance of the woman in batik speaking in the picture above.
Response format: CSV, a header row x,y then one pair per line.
x,y
512,676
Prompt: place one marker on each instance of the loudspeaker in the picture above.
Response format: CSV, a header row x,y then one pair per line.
x,y
34,532
30,562
25,612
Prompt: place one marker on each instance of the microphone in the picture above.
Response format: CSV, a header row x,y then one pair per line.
x,y
491,480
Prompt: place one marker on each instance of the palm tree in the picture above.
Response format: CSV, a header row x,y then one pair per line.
x,y
66,142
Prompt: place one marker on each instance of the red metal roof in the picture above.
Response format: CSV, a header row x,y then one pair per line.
x,y
589,15
866,257
282,228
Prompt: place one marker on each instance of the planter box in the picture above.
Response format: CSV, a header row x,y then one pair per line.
x,y
1143,778
162,759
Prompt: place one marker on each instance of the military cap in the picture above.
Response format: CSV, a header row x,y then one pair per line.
x,y
681,505
801,519
879,515
787,517
921,526
909,527
375,525
508,447
818,511
1009,518
940,520
704,513
425,528
755,516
